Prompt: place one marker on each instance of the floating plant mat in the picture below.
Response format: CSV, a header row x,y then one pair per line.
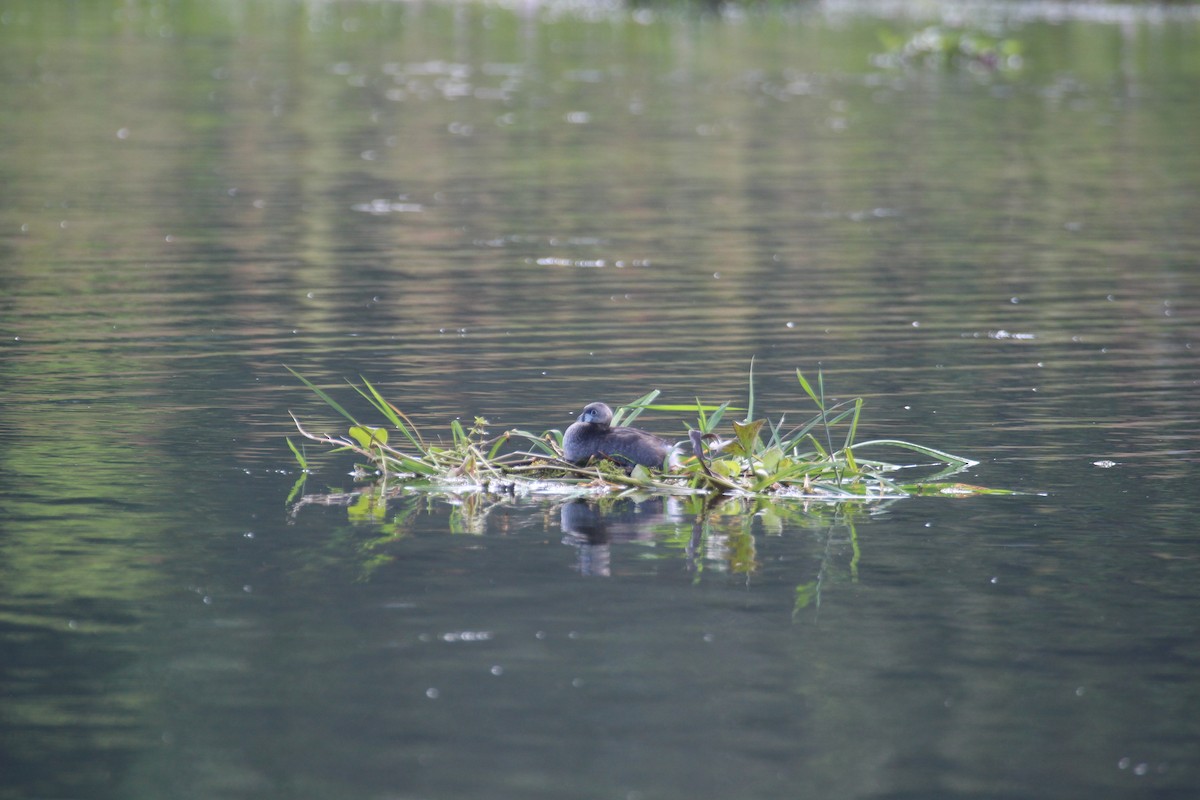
x,y
818,459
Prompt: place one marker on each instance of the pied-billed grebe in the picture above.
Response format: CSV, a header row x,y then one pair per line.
x,y
593,435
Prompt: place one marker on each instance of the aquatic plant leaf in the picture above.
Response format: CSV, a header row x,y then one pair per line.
x,y
729,467
540,442
747,435
408,464
500,441
626,414
714,419
299,455
368,437
376,399
954,490
323,395
750,393
821,451
858,404
772,459
394,415
940,455
807,387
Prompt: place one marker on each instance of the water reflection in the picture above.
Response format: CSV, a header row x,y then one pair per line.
x,y
620,533
591,526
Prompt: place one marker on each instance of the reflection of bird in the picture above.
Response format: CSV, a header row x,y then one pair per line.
x,y
593,435
593,527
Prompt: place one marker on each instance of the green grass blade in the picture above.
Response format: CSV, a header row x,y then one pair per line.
x,y
376,399
538,442
321,394
456,430
774,440
299,455
807,387
858,404
409,464
394,415
714,419
940,455
750,393
627,413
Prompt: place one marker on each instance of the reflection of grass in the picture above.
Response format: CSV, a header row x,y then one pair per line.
x,y
941,46
713,535
819,458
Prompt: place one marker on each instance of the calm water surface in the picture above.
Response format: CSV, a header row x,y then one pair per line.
x,y
511,212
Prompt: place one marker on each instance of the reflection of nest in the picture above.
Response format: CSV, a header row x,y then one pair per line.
x,y
717,534
333,499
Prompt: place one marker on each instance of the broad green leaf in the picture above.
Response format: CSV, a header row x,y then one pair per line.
x,y
368,437
771,459
747,435
729,467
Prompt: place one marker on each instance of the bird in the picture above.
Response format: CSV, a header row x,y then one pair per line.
x,y
594,436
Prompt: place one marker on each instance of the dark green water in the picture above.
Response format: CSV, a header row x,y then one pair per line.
x,y
513,211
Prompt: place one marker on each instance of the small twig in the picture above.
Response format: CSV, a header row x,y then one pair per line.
x,y
327,439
